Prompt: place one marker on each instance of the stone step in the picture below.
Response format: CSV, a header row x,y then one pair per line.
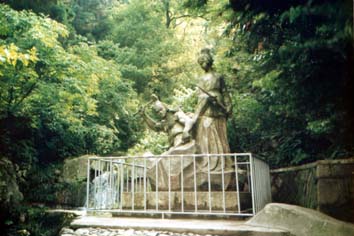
x,y
231,203
203,227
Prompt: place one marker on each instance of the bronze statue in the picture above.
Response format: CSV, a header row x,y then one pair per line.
x,y
214,106
202,133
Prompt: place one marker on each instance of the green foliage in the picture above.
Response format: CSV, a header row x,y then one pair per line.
x,y
150,143
194,5
57,10
73,100
56,101
142,44
91,17
19,219
71,88
26,40
288,66
185,99
46,181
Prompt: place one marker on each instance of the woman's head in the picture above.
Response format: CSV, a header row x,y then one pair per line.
x,y
205,59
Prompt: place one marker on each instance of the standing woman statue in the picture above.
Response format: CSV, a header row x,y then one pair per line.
x,y
209,126
213,108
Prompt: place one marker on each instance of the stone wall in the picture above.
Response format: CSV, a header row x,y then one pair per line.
x,y
326,185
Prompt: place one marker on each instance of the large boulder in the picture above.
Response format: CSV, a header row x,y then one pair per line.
x,y
75,169
74,177
300,221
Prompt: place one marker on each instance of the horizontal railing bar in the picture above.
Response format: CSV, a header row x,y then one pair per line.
x,y
142,166
117,162
158,156
128,164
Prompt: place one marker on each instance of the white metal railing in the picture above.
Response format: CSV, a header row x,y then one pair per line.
x,y
204,184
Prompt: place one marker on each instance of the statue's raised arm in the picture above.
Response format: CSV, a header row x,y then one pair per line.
x,y
157,126
174,122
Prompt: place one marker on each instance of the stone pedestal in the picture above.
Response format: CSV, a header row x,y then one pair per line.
x,y
188,199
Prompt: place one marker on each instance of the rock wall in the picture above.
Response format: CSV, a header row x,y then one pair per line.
x,y
75,169
326,185
74,177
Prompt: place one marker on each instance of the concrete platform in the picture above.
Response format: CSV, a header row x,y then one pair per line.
x,y
215,227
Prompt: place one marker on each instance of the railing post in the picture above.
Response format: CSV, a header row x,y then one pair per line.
x,y
195,186
182,190
132,183
157,187
169,183
99,184
110,183
122,185
223,182
209,183
95,185
88,184
144,184
116,185
237,185
252,184
127,179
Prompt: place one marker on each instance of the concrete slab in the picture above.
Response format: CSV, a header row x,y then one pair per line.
x,y
215,227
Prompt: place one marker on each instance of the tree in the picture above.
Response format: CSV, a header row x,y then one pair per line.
x,y
288,66
140,43
53,98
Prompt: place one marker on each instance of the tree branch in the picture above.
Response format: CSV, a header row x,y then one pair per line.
x,y
29,91
188,15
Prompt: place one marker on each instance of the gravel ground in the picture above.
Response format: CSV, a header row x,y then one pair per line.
x,y
119,232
